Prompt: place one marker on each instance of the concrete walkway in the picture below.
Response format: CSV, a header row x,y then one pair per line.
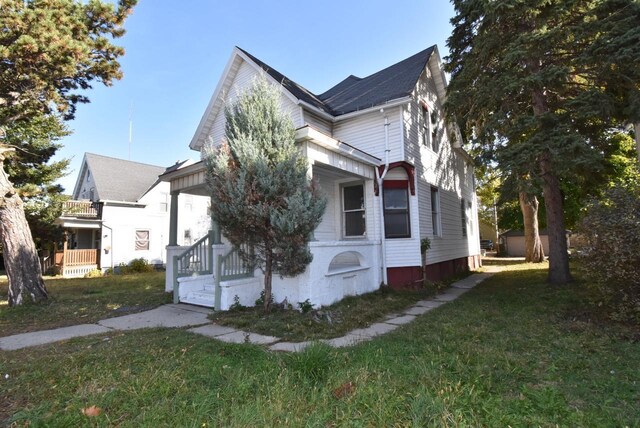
x,y
181,316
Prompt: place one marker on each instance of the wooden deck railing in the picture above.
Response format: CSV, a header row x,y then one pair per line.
x,y
86,209
80,257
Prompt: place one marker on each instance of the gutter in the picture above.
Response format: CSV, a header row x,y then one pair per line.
x,y
380,179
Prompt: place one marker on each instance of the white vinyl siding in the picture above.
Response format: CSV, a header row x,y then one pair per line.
x,y
444,169
243,80
317,122
366,132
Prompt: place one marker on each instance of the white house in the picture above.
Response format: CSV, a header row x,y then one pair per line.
x,y
393,171
120,212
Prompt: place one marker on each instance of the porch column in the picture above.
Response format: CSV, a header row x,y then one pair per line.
x,y
173,220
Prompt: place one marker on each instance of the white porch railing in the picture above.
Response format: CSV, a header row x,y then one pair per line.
x,y
199,259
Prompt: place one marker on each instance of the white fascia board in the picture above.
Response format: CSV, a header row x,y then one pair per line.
x,y
184,171
79,179
78,223
211,107
108,202
288,94
308,133
388,104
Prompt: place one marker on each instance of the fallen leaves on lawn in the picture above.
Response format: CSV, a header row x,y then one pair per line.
x,y
92,411
344,390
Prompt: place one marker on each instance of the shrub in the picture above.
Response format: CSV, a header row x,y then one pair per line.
x,y
96,273
260,300
236,305
611,255
306,306
140,265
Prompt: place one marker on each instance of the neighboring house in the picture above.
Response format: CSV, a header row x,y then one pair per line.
x,y
349,133
120,212
512,242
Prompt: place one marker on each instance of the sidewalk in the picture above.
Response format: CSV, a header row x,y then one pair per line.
x,y
181,315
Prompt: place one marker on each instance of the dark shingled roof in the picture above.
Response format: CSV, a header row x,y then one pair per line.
x,y
355,93
121,180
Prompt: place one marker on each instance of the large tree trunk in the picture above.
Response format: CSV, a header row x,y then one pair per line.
x,y
268,277
20,256
534,252
558,255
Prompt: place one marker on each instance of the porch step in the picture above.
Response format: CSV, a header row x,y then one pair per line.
x,y
200,298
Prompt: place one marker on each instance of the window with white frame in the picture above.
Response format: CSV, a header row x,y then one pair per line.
x,y
463,216
433,126
353,213
142,240
164,202
426,132
396,212
470,217
435,211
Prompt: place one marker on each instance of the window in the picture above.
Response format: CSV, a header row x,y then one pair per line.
x,y
463,216
164,202
396,212
470,217
142,240
433,122
426,133
435,211
188,203
353,211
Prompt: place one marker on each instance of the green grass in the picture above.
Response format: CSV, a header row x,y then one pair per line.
x,y
511,352
83,300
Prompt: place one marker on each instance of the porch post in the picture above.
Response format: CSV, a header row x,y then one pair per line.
x,y
173,220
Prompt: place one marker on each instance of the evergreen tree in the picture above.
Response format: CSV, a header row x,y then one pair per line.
x,y
261,195
33,173
528,91
50,51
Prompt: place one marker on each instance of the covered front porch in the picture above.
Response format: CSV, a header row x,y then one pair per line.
x,y
79,253
345,246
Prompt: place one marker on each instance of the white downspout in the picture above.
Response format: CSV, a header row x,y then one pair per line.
x,y
380,180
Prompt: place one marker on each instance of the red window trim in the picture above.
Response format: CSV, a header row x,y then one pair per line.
x,y
411,174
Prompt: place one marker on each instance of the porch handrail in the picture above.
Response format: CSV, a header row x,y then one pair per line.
x,y
82,209
195,260
228,267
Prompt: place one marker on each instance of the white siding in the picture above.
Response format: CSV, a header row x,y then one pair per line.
x,y
328,230
366,132
243,80
445,170
318,123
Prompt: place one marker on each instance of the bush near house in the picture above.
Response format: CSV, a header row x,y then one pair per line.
x,y
611,256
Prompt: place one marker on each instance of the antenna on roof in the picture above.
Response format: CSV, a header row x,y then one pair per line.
x,y
130,127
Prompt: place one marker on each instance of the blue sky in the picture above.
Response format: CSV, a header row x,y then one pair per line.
x,y
177,50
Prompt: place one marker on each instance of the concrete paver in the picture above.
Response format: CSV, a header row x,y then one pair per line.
x,y
289,346
405,319
25,340
163,316
212,330
240,336
374,330
418,310
428,304
347,340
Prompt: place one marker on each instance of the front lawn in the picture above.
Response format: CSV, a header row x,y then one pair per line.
x,y
511,352
83,300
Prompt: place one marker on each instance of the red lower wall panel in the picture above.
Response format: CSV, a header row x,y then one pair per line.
x,y
411,276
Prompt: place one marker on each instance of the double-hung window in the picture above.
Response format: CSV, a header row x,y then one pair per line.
x,y
429,121
463,215
353,213
435,212
396,211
